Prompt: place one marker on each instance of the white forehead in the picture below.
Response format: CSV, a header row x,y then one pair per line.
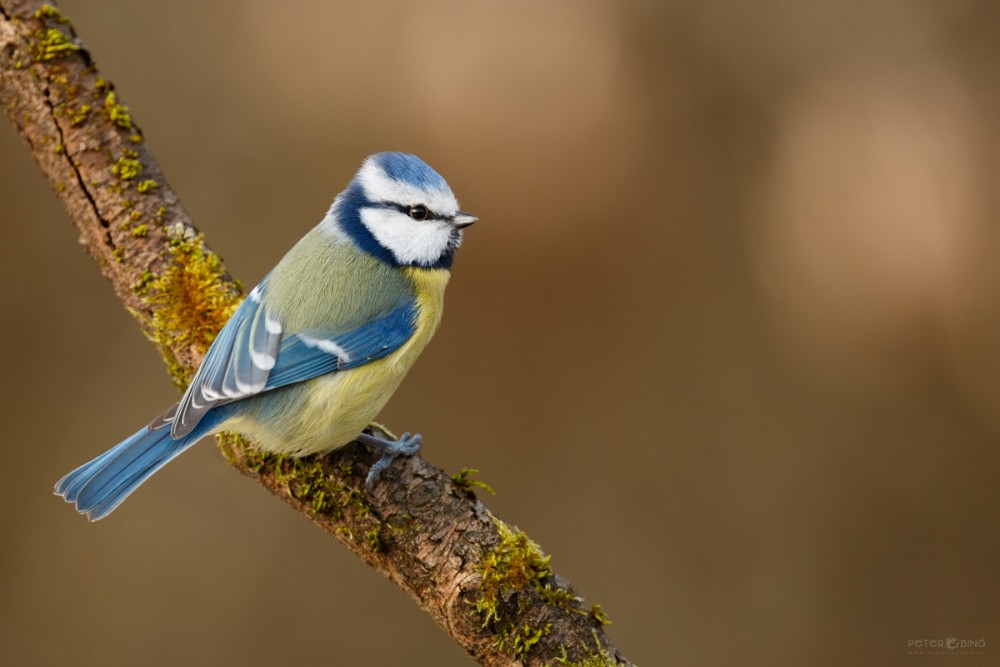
x,y
380,187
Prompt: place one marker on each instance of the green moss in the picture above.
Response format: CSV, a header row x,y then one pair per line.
x,y
512,572
140,231
117,113
59,149
520,641
119,255
309,481
514,563
52,44
254,459
375,539
463,480
566,600
599,616
126,168
563,598
146,186
305,479
135,138
596,656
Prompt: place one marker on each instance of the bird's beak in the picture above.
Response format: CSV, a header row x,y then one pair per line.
x,y
462,219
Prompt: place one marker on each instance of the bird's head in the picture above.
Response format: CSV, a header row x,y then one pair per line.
x,y
401,211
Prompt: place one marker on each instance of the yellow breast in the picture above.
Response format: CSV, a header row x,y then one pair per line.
x,y
335,408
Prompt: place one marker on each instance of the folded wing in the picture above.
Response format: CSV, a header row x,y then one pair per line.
x,y
253,354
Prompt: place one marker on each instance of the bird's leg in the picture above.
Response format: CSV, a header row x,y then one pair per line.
x,y
379,427
408,445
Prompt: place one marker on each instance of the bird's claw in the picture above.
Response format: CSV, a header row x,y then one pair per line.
x,y
408,445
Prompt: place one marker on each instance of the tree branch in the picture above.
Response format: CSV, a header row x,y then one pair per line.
x,y
484,582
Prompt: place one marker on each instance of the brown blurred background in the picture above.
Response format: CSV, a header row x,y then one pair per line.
x,y
726,340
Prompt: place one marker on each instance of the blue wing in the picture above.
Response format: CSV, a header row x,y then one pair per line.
x,y
235,366
310,353
253,354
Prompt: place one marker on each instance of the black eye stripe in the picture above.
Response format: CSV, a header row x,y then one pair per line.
x,y
405,210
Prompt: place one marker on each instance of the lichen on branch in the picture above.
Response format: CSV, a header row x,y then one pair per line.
x,y
191,300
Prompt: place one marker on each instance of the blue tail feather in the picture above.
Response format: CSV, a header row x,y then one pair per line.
x,y
98,487
69,486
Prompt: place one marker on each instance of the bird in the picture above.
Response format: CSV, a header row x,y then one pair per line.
x,y
317,348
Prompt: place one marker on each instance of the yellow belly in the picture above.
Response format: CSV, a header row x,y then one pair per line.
x,y
331,410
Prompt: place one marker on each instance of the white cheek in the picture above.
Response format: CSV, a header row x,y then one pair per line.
x,y
410,241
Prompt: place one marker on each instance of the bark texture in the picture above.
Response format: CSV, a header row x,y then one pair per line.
x,y
484,582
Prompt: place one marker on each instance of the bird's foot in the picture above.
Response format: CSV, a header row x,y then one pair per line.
x,y
408,445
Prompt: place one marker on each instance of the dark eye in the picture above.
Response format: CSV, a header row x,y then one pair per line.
x,y
418,212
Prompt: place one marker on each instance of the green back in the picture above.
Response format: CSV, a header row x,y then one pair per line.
x,y
327,283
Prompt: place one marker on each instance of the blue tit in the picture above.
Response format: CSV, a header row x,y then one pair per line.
x,y
318,347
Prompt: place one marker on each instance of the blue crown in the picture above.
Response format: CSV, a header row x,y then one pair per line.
x,y
409,169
